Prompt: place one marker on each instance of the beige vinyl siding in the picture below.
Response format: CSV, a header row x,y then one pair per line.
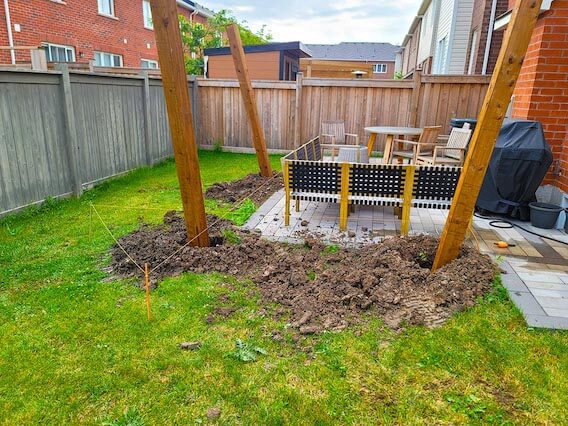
x,y
427,33
459,38
444,29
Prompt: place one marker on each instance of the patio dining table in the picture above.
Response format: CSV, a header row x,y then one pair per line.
x,y
390,133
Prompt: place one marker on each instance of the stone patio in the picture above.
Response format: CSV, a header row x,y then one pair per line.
x,y
536,268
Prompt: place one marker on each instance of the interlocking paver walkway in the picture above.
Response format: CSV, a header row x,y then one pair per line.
x,y
536,268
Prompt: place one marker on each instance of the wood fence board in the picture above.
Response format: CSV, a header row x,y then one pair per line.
x,y
109,119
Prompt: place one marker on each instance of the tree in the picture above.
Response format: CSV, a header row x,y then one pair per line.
x,y
197,37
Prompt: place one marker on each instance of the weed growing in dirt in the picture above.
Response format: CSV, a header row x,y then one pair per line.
x,y
330,249
246,351
131,417
231,236
470,405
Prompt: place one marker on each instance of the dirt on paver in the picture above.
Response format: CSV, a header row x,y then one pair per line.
x,y
260,187
323,287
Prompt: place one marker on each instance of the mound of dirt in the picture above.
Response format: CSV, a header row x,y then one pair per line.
x,y
260,187
325,288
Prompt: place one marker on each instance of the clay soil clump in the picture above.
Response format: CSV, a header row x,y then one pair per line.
x,y
237,190
323,287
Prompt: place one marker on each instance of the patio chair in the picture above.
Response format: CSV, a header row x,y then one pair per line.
x,y
428,137
334,131
451,153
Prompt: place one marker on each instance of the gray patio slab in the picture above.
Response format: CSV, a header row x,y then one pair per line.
x,y
547,321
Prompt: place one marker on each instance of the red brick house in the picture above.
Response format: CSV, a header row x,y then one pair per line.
x,y
542,89
109,32
484,43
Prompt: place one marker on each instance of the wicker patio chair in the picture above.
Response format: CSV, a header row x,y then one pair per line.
x,y
408,149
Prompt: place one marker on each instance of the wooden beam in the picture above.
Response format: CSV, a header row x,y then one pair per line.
x,y
71,141
513,50
415,98
298,111
344,196
407,199
247,91
176,91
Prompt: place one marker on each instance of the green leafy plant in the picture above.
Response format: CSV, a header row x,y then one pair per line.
x,y
231,236
470,405
332,248
197,37
130,417
398,75
246,352
218,145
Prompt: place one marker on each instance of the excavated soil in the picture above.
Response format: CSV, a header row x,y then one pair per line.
x,y
324,288
260,187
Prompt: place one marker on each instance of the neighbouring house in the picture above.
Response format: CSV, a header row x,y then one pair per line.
x,y
271,61
541,92
375,60
112,33
440,35
484,43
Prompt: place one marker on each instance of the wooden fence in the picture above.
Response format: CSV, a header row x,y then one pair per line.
x,y
62,131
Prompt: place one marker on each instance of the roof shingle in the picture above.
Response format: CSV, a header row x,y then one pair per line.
x,y
354,51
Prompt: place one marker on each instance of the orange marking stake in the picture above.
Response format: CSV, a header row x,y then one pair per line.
x,y
147,280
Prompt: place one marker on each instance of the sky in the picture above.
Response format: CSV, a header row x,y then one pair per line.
x,y
325,22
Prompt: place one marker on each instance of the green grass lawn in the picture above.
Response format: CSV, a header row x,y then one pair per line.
x,y
76,348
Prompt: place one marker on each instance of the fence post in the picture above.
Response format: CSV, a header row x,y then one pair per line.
x,y
193,93
71,140
298,110
416,86
146,112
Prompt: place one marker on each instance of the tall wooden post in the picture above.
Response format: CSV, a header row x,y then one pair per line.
x,y
71,140
247,91
416,85
176,91
298,111
146,109
513,50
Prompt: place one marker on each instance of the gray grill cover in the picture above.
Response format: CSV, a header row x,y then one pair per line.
x,y
518,165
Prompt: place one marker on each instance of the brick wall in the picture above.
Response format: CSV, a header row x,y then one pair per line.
x,y
542,89
480,23
77,23
389,75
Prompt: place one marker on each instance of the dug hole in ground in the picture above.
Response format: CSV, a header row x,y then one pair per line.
x,y
320,287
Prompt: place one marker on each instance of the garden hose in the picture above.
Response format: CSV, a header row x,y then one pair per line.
x,y
499,223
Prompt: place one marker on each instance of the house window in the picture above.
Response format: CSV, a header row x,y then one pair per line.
x,y
442,56
59,53
147,11
103,59
379,68
149,64
106,7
